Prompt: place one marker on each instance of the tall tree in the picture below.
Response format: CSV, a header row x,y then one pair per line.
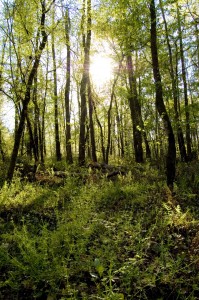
x,y
69,157
180,136
86,41
185,86
56,113
171,153
135,112
91,125
2,152
29,85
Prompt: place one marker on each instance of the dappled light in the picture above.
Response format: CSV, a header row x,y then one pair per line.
x,y
99,156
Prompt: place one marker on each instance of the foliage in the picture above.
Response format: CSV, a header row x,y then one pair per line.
x,y
93,238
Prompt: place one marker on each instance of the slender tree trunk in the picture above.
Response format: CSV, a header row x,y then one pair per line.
x,y
42,137
69,157
184,79
1,147
109,128
1,71
36,120
101,136
32,141
56,114
135,112
84,81
83,115
171,154
92,130
27,97
120,128
144,134
180,136
108,147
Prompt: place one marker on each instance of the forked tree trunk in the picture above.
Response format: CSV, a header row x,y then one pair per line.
x,y
171,154
180,136
27,97
185,87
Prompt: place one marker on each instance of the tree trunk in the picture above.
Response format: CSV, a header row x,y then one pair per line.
x,y
184,79
1,147
84,82
36,121
83,115
32,141
109,127
180,136
135,112
69,157
120,128
91,125
101,136
57,140
42,137
27,96
171,154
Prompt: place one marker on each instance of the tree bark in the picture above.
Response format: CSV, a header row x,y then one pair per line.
x,y
120,129
135,112
69,157
171,153
36,121
108,147
84,82
91,127
101,135
1,147
32,140
56,118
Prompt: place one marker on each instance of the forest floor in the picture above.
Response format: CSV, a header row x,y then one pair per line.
x,y
90,237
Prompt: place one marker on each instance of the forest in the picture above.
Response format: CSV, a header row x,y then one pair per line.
x,y
99,145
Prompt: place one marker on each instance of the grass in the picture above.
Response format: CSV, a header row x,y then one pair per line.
x,y
99,239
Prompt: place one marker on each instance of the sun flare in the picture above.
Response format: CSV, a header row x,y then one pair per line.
x,y
101,69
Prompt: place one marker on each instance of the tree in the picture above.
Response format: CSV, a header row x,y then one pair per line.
x,y
174,91
29,85
171,153
91,125
135,112
184,79
57,140
69,157
86,41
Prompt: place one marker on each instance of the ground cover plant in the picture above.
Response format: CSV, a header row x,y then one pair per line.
x,y
90,237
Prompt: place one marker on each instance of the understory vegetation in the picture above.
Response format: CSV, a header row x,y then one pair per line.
x,y
89,237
